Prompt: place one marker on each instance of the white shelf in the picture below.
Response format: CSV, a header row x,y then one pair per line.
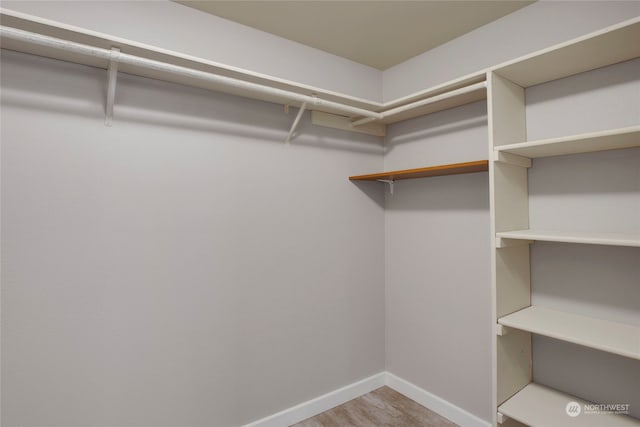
x,y
592,238
33,24
476,95
26,22
609,46
614,139
613,337
540,406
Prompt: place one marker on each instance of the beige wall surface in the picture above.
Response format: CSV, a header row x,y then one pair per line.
x,y
438,318
183,267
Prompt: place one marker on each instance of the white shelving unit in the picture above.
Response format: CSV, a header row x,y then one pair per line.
x,y
613,337
517,400
540,406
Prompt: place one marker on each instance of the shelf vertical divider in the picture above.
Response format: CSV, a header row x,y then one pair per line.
x,y
509,199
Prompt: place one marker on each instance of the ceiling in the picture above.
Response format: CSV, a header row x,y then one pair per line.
x,y
379,34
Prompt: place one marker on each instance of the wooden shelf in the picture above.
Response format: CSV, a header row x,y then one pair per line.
x,y
613,239
537,405
614,139
613,337
440,170
609,46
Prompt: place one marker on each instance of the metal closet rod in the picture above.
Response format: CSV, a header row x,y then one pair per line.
x,y
310,101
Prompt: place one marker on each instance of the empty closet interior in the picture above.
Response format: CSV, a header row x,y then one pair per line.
x,y
252,240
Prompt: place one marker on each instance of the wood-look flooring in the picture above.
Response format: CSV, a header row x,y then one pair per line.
x,y
383,407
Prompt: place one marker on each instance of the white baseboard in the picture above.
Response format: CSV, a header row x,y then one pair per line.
x,y
320,404
435,403
338,397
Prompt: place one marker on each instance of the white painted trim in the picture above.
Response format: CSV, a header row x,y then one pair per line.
x,y
320,404
434,403
337,397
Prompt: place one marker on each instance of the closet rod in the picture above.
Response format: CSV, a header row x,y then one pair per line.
x,y
362,116
136,61
421,103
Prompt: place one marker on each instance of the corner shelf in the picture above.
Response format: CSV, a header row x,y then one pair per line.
x,y
440,170
592,238
536,405
613,139
613,337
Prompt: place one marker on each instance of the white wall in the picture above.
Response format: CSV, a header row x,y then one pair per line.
x,y
598,192
176,27
437,278
542,24
185,266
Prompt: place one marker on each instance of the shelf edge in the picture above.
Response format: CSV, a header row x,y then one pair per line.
x,y
426,172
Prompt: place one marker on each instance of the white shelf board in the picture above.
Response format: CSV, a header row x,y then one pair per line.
x,y
22,21
58,30
445,104
540,406
613,139
611,45
593,238
613,337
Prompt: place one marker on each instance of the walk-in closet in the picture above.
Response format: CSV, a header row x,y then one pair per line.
x,y
320,214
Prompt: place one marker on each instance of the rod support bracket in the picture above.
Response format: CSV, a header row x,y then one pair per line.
x,y
390,182
301,111
112,77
